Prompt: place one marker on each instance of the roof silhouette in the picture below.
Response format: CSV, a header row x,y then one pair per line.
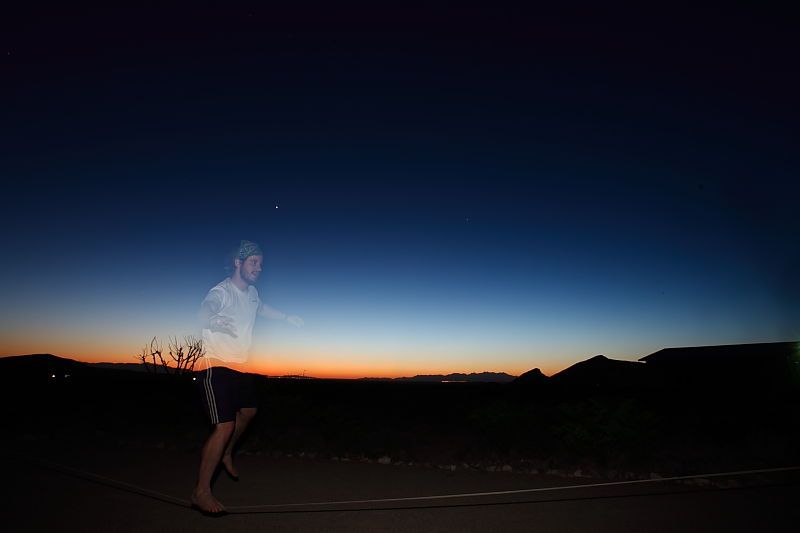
x,y
727,353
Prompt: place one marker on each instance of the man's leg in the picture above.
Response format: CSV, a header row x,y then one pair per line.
x,y
211,455
243,418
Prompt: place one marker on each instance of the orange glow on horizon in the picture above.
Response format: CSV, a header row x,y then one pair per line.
x,y
309,366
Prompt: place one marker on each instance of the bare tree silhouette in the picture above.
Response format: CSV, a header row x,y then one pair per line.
x,y
182,356
185,354
148,356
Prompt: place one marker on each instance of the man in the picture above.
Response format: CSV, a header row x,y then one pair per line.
x,y
227,316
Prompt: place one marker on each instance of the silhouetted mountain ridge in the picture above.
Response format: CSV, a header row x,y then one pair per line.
x,y
758,365
600,372
532,377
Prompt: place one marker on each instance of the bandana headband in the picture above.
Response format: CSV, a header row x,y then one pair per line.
x,y
246,249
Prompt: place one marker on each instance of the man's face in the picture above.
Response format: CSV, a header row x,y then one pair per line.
x,y
250,268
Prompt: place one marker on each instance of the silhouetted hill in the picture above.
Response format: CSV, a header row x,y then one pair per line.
x,y
532,377
475,377
133,367
41,364
41,368
600,372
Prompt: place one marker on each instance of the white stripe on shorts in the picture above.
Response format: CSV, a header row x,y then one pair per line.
x,y
212,402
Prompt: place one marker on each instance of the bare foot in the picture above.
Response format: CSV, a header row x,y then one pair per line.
x,y
206,503
227,463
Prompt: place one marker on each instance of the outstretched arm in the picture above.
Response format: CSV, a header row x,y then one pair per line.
x,y
270,312
209,319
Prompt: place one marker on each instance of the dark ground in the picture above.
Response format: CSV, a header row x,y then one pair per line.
x,y
441,438
610,432
42,499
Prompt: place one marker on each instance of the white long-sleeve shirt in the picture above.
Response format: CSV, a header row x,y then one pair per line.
x,y
227,300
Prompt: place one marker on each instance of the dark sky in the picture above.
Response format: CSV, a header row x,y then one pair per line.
x,y
462,189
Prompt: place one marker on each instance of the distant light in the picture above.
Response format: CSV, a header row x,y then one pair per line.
x,y
276,207
194,379
66,375
53,375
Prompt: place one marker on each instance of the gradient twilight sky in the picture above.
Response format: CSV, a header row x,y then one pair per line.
x,y
435,191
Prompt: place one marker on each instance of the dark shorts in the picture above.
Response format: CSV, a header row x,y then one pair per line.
x,y
224,391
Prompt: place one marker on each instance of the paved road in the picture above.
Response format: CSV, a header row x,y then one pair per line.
x,y
42,499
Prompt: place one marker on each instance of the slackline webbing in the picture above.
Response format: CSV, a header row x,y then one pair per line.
x,y
343,504
519,491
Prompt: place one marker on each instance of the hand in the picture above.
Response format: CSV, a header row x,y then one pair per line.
x,y
223,324
295,320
